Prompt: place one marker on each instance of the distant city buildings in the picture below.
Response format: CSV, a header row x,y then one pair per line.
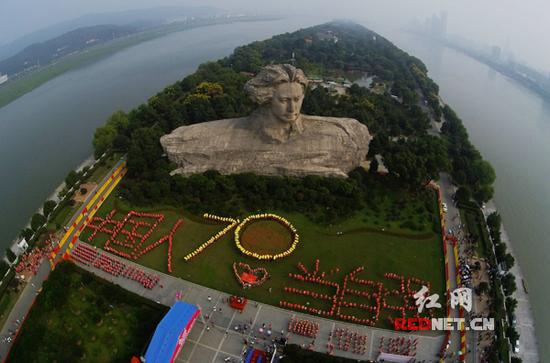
x,y
495,53
436,26
499,58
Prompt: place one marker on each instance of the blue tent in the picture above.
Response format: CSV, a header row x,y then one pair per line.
x,y
171,333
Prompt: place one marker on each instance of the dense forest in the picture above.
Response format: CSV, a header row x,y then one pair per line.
x,y
328,51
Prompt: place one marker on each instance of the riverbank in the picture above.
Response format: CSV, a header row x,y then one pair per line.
x,y
24,84
525,322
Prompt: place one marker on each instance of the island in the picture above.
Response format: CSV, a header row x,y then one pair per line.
x,y
328,247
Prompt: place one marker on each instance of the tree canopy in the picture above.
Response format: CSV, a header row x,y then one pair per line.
x,y
215,91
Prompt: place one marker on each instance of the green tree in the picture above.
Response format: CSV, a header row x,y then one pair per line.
x,y
72,178
26,233
482,288
512,334
509,260
494,220
511,304
463,194
48,207
10,255
373,167
37,221
500,251
509,284
103,139
105,136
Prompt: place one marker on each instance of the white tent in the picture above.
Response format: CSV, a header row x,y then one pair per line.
x,y
394,358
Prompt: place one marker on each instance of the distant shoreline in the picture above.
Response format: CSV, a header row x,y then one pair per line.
x,y
505,71
24,84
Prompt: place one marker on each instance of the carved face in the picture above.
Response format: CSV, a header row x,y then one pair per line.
x,y
287,101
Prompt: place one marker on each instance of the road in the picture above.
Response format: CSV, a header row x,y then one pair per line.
x,y
452,222
25,301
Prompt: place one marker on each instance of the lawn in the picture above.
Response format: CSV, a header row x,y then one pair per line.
x,y
7,301
62,216
266,237
103,168
357,241
78,317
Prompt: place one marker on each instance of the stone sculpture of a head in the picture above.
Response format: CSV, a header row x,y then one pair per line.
x,y
279,90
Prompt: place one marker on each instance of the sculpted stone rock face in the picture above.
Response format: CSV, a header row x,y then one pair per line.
x,y
276,139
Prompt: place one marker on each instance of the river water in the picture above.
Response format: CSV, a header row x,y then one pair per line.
x,y
48,132
510,125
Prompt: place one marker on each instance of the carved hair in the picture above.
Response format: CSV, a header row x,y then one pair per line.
x,y
260,88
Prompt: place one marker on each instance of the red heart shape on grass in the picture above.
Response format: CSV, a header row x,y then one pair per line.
x,y
249,277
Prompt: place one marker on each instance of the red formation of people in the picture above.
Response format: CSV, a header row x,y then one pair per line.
x,y
132,239
30,261
398,345
376,296
249,277
92,257
347,340
303,327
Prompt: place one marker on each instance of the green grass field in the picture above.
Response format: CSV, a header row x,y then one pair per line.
x,y
266,237
80,318
361,243
7,301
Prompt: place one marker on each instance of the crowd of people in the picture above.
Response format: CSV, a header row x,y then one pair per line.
x,y
232,223
306,328
91,256
377,297
133,240
347,340
30,261
398,345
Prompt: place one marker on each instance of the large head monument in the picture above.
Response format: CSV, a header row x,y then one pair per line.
x,y
276,139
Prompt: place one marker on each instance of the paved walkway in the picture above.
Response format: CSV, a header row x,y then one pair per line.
x,y
451,222
220,340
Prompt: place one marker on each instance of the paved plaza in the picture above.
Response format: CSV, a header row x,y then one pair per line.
x,y
219,332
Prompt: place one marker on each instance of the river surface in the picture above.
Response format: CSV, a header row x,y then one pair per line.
x,y
510,125
48,132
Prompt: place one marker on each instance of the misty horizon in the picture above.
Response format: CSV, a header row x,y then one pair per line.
x,y
519,28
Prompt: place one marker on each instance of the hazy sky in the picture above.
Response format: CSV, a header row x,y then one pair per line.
x,y
522,24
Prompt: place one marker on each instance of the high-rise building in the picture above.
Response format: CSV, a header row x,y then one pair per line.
x,y
443,24
495,53
438,25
